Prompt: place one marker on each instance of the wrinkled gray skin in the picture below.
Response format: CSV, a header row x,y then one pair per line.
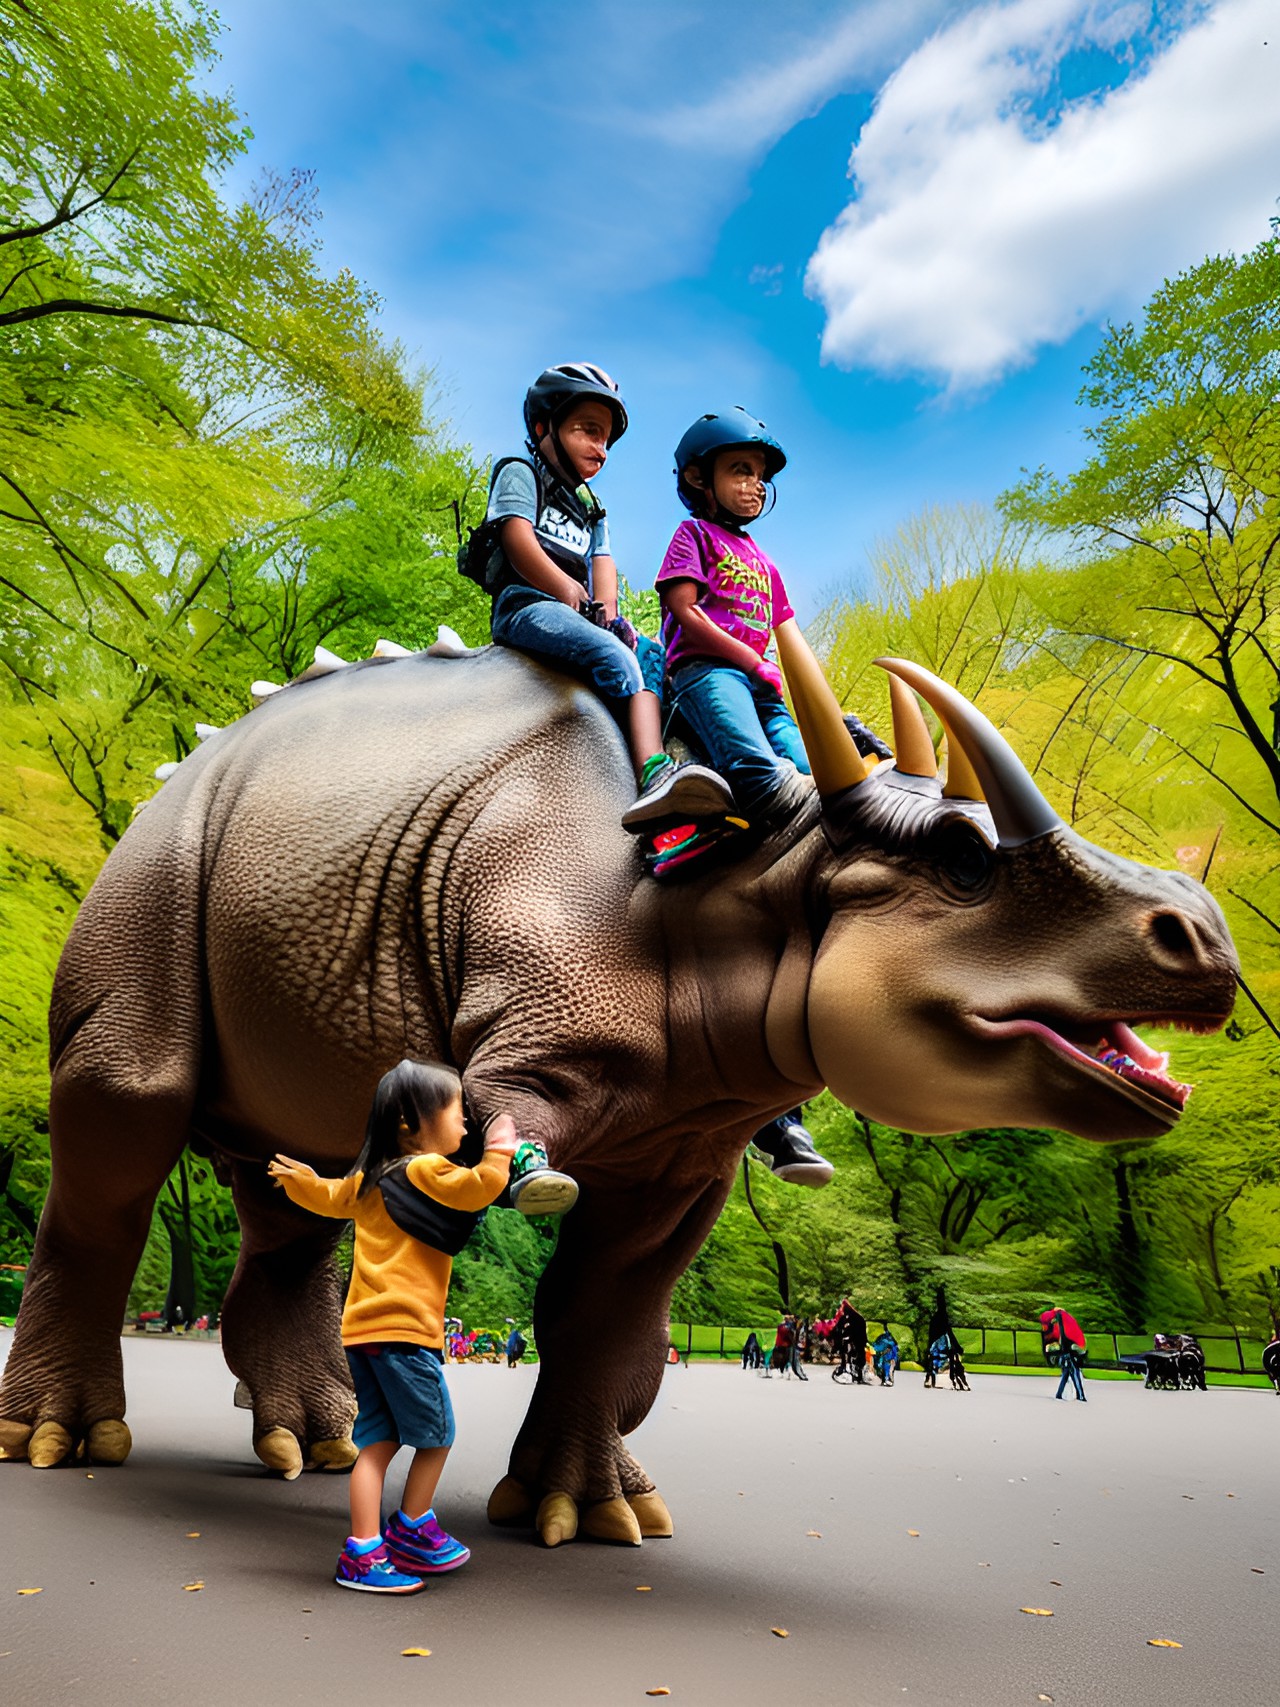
x,y
423,857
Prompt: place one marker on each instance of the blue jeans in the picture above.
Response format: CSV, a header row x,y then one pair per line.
x,y
743,726
1070,1368
532,621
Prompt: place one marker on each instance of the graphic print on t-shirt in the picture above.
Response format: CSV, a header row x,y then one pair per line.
x,y
554,525
747,589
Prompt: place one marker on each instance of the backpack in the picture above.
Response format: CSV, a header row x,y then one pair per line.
x,y
480,555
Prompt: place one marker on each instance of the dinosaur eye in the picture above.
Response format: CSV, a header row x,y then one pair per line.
x,y
962,856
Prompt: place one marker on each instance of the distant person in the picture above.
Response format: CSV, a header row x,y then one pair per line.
x,y
1065,1344
517,1345
401,1192
799,1344
752,1353
886,1357
936,1358
850,1336
783,1340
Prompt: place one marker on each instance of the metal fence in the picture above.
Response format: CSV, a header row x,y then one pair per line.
x,y
1018,1348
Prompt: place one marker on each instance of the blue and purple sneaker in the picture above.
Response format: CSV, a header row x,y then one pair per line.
x,y
422,1546
371,1571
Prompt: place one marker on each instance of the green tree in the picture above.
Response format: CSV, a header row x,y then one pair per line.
x,y
1185,479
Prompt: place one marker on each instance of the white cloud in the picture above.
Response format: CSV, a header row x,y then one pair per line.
x,y
983,228
759,105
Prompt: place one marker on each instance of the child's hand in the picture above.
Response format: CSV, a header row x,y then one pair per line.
x,y
284,1167
766,671
501,1138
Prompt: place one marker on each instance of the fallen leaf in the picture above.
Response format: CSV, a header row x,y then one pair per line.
x,y
414,1653
1037,1611
30,1591
1188,1496
190,1588
913,1532
88,1476
1257,1570
1044,1697
1231,1496
193,1534
815,1533
660,1690
644,1588
778,1632
1054,1583
984,1564
1161,1642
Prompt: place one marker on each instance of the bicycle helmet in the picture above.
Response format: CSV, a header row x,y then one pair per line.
x,y
717,431
557,389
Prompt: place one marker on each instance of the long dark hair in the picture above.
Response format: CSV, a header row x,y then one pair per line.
x,y
406,1096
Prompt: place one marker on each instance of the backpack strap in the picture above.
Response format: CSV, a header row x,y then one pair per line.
x,y
423,1217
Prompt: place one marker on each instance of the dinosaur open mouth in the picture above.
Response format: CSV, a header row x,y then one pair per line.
x,y
1110,1048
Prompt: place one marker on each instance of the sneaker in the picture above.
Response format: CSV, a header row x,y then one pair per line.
x,y
535,1187
669,790
789,1152
373,1572
423,1547
866,740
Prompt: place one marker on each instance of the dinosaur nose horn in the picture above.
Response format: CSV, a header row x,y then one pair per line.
x,y
834,760
979,759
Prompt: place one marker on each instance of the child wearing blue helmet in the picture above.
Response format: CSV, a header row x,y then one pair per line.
x,y
545,557
722,598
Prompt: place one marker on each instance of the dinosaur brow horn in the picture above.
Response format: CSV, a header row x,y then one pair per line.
x,y
913,752
834,760
1018,808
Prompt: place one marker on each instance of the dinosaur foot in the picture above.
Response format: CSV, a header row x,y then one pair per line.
x,y
49,1444
558,1517
280,1450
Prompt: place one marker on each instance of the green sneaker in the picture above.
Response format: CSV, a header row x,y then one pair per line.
x,y
535,1187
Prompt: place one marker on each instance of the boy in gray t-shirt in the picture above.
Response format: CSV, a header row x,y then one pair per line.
x,y
556,585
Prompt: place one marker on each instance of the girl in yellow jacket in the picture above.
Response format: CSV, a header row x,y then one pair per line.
x,y
413,1209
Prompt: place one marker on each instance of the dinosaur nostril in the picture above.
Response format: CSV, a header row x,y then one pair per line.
x,y
1170,932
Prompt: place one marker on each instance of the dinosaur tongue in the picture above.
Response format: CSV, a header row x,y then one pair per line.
x,y
1117,1049
1126,1055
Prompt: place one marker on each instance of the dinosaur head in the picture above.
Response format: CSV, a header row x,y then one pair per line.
x,y
982,964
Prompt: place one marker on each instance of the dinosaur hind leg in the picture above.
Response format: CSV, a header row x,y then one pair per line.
x,y
112,1145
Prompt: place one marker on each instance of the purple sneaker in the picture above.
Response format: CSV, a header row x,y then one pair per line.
x,y
373,1572
423,1547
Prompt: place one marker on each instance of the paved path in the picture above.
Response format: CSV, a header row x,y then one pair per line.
x,y
1126,1502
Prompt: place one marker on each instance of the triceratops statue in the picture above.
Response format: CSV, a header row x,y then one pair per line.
x,y
422,856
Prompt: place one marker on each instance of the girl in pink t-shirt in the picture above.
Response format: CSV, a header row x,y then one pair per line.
x,y
722,598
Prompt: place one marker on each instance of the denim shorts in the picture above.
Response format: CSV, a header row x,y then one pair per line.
x,y
401,1395
532,621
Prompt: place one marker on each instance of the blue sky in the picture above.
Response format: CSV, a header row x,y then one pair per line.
x,y
666,189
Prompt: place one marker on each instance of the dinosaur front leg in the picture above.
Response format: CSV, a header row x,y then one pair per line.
x,y
601,1321
281,1330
